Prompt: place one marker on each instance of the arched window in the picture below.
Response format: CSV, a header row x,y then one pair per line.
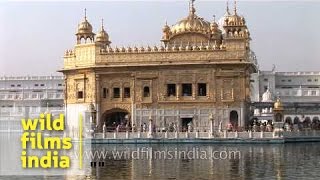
x,y
82,40
296,120
234,118
288,120
278,117
146,91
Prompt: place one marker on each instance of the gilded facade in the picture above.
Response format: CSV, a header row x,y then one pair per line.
x,y
201,70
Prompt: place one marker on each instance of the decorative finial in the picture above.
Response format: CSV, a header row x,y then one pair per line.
x,y
191,7
85,13
235,7
102,26
227,9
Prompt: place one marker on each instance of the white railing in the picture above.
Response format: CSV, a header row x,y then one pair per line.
x,y
299,73
184,135
205,135
31,96
31,78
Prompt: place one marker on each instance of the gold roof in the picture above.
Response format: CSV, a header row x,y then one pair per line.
x,y
234,19
84,27
192,23
214,27
102,36
278,104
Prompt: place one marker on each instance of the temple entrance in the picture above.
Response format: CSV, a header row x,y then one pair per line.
x,y
278,117
184,123
116,118
234,118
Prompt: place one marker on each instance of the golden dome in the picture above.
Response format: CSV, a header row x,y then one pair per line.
x,y
234,19
84,27
102,36
278,104
192,23
214,27
166,28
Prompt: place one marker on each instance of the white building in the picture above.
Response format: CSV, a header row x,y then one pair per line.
x,y
27,97
290,86
299,92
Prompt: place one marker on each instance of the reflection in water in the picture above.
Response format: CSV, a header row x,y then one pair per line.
x,y
274,161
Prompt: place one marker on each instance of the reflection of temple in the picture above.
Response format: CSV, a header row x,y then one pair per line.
x,y
201,69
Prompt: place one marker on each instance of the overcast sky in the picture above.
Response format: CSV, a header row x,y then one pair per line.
x,y
35,35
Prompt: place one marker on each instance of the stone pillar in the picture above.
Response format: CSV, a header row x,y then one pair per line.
x,y
242,115
127,134
225,134
211,125
178,91
194,91
150,133
104,130
97,101
139,134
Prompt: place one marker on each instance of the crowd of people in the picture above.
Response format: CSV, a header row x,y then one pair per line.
x,y
255,126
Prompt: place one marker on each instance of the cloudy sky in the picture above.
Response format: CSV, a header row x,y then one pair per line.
x,y
34,35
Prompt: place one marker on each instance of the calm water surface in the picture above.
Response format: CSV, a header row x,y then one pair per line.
x,y
276,161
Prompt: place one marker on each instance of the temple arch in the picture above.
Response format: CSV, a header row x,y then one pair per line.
x,y
114,117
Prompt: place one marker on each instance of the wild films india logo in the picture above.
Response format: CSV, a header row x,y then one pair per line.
x,y
43,135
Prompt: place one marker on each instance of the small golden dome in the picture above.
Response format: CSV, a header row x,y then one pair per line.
x,y
214,27
102,36
84,31
166,28
278,104
235,19
85,27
